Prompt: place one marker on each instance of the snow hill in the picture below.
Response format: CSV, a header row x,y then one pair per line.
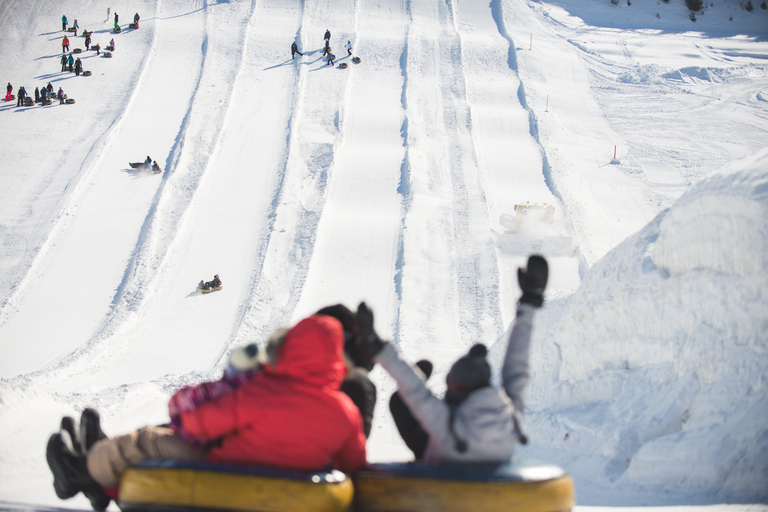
x,y
396,181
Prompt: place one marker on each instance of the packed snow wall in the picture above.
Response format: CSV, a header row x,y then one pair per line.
x,y
653,373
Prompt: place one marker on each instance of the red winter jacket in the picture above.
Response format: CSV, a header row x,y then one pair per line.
x,y
291,415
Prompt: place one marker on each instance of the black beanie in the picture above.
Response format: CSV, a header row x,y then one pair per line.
x,y
471,371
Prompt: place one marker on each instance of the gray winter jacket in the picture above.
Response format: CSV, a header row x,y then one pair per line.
x,y
485,420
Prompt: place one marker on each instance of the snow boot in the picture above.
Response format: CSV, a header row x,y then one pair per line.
x,y
69,436
65,466
70,475
90,429
96,495
533,281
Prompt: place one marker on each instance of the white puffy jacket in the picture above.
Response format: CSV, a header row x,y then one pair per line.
x,y
485,420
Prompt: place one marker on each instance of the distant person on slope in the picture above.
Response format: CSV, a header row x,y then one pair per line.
x,y
65,45
64,23
63,62
295,50
9,92
75,26
348,46
136,19
231,422
475,422
21,96
327,36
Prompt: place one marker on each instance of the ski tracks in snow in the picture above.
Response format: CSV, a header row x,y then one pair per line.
x,y
305,174
448,251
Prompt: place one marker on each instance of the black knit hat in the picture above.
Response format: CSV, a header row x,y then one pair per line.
x,y
471,371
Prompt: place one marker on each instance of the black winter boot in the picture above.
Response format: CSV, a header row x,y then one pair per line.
x,y
96,495
90,429
70,474
65,466
69,435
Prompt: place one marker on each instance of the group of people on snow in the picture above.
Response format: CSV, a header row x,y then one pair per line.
x,y
330,57
44,95
71,64
316,369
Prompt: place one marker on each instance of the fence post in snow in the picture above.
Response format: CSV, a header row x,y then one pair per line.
x,y
531,45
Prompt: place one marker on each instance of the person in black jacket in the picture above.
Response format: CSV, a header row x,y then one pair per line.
x,y
295,50
327,36
357,385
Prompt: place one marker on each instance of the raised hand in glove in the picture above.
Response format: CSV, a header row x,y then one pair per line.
x,y
533,280
372,344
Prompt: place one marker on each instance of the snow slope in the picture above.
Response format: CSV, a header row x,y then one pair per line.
x,y
303,185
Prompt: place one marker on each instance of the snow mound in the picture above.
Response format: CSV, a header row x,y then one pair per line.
x,y
762,96
647,74
694,74
679,312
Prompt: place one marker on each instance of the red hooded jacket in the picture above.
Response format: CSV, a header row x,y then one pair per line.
x,y
290,415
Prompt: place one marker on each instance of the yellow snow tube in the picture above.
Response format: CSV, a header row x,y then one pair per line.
x,y
419,487
172,486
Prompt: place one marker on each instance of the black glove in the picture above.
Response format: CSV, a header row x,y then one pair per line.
x,y
533,280
372,344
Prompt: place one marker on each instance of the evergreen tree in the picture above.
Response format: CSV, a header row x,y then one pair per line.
x,y
750,6
694,5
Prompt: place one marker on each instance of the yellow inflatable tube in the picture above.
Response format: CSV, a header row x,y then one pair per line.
x,y
170,486
419,487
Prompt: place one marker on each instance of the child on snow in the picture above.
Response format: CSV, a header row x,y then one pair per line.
x,y
475,422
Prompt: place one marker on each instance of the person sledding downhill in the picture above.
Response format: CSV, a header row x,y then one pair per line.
x,y
146,164
256,418
475,422
209,286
